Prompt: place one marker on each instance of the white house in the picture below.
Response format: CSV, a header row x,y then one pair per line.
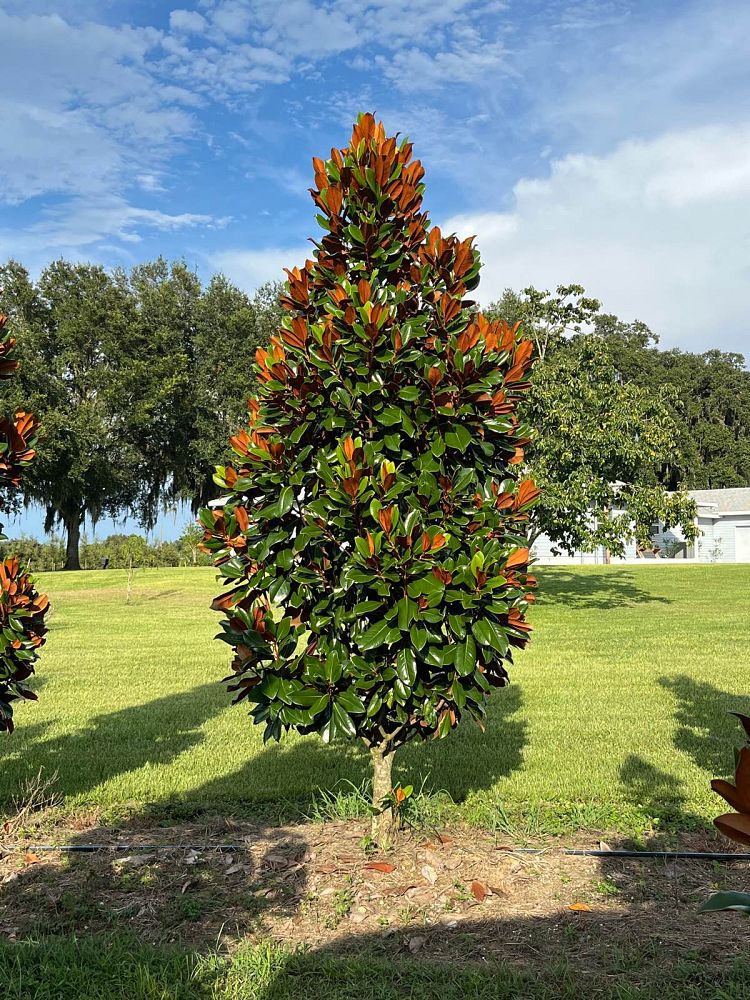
x,y
723,519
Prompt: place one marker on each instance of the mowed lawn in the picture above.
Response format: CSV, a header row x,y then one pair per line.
x,y
618,710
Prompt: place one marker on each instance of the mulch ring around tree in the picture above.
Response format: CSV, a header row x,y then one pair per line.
x,y
458,894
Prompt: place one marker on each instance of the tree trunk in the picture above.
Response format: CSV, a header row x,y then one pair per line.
x,y
73,532
383,830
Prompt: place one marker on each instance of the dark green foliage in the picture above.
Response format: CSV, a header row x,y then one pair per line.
x,y
373,535
138,378
709,401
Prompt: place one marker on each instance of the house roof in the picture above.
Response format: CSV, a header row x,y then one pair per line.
x,y
723,501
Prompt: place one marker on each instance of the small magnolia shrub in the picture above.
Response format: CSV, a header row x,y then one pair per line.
x,y
22,609
372,532
735,825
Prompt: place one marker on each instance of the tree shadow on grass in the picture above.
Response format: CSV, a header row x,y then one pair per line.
x,y
658,795
296,769
705,729
112,744
615,588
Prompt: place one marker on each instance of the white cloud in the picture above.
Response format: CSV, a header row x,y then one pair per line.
x,y
188,21
150,182
251,268
657,230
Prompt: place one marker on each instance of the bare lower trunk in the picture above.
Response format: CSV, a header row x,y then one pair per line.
x,y
383,830
73,532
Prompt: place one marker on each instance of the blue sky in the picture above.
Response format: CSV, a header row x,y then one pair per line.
x,y
600,141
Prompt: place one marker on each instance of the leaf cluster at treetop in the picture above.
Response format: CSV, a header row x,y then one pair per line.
x,y
373,533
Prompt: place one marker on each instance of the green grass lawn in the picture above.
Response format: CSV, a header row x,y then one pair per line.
x,y
617,711
120,968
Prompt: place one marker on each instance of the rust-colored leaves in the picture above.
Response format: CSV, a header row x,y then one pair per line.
x,y
22,614
736,825
22,608
518,558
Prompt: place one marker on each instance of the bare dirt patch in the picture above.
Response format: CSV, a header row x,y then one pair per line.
x,y
460,894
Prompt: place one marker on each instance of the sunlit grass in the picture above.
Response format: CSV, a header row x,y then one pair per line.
x,y
617,711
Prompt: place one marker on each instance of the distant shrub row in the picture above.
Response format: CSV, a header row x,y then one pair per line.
x,y
120,550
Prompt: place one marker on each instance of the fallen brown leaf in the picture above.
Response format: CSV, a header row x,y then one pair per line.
x,y
480,891
380,866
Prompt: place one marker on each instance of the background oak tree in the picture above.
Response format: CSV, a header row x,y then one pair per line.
x,y
603,441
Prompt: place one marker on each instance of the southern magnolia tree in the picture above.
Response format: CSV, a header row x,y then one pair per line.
x,y
373,534
22,609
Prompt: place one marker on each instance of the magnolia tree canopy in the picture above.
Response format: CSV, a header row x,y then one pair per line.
x,y
372,531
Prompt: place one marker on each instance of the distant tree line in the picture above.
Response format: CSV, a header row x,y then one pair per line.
x,y
140,377
118,551
134,376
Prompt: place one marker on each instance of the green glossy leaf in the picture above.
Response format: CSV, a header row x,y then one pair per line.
x,y
406,667
727,901
418,636
376,635
466,657
350,702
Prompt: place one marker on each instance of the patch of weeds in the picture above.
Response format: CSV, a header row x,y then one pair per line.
x,y
571,930
253,904
191,908
519,827
347,801
606,887
623,960
424,809
342,905
74,911
462,893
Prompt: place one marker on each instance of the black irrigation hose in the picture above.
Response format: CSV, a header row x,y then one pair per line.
x,y
659,855
667,855
228,848
135,848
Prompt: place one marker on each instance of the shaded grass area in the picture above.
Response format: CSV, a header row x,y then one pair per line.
x,y
119,968
616,717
